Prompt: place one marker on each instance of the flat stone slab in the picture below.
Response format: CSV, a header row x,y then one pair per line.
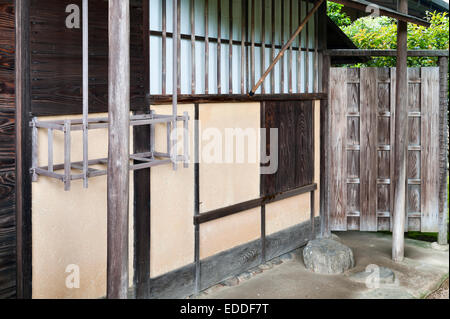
x,y
382,275
327,256
439,247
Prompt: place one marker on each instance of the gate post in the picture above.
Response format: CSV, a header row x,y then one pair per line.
x,y
443,142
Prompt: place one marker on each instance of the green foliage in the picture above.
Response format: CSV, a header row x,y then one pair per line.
x,y
381,33
335,13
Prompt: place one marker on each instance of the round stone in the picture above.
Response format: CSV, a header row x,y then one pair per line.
x,y
327,256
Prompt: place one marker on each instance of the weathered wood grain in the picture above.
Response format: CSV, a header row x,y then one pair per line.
x,y
7,151
401,138
443,142
430,150
338,99
118,149
56,58
295,155
368,106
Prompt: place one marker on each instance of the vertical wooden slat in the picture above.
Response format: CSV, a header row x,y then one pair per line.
x,y
282,44
206,47
393,85
307,51
230,47
263,41
430,150
443,142
290,48
219,46
316,54
178,42
243,22
368,153
261,189
193,75
252,36
338,183
118,149
272,50
164,46
247,53
299,52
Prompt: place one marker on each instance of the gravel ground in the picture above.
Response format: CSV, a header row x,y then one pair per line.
x,y
441,293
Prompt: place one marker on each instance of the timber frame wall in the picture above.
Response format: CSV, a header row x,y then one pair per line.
x,y
38,94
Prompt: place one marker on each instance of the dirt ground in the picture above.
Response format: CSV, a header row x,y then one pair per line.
x,y
441,293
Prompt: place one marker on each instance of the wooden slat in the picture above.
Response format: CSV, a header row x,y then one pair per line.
x,y
338,187
307,51
272,50
430,150
290,48
193,67
243,23
252,37
368,153
164,45
230,47
219,46
263,41
393,75
206,47
392,53
282,44
299,52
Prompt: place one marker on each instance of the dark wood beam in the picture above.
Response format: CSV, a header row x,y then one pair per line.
x,y
401,138
141,180
234,98
118,149
234,209
23,150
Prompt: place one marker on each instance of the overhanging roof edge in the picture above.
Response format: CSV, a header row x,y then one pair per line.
x,y
367,6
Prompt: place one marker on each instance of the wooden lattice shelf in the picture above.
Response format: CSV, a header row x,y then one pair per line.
x,y
84,170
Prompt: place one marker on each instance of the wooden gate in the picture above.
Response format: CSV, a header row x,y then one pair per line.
x,y
362,117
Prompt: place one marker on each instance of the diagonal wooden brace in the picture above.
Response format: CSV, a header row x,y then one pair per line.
x,y
286,46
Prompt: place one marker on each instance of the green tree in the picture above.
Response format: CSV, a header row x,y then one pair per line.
x,y
381,33
335,13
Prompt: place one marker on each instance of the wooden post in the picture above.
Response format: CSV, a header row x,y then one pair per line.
x,y
443,105
324,129
142,143
401,142
118,149
23,150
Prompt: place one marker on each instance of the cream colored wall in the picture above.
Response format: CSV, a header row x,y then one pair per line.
x,y
172,204
69,228
223,185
